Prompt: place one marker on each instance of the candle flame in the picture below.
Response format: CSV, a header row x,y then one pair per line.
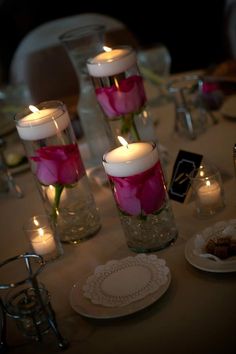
x,y
41,232
123,141
208,183
107,49
33,108
116,83
36,223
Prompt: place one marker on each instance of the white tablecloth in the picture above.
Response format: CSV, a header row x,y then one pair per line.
x,y
196,315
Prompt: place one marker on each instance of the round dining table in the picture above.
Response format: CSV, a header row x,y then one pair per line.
x,y
195,313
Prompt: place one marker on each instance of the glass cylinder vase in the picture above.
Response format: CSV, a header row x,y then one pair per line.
x,y
120,92
55,160
80,43
138,186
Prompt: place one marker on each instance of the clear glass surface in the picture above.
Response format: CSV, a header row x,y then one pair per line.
x,y
121,95
59,172
153,233
191,114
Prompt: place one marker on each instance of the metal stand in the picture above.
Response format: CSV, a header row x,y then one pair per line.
x,y
28,302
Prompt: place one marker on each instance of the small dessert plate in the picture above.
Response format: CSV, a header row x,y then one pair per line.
x,y
121,287
195,252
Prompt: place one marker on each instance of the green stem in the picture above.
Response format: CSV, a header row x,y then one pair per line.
x,y
128,126
134,131
58,190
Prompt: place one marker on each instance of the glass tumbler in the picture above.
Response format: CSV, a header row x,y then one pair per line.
x,y
42,237
55,160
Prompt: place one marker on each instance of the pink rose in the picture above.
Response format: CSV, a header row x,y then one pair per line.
x,y
143,193
212,95
127,97
208,87
58,164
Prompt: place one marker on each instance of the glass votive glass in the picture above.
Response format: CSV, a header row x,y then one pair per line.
x,y
139,190
208,190
43,238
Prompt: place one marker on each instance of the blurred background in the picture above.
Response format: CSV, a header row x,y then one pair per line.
x,y
195,32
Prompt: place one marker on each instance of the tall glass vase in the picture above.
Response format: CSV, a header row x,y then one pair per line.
x,y
55,160
80,43
120,92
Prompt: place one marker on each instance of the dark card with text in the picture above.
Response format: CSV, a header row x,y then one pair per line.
x,y
186,164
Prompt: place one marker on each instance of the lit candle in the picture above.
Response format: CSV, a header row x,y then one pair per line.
x,y
130,159
43,123
111,61
209,193
43,242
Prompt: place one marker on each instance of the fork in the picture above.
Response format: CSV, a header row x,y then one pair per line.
x,y
208,256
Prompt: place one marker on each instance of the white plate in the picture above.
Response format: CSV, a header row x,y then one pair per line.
x,y
228,108
191,250
120,288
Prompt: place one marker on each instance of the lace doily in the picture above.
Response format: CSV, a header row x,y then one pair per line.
x,y
121,282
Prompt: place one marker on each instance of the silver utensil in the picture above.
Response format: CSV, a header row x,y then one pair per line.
x,y
208,256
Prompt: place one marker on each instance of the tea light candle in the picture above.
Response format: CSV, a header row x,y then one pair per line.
x,y
43,242
209,193
42,123
131,159
111,61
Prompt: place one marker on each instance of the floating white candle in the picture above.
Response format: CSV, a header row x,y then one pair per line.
x,y
129,160
43,242
42,123
209,193
111,62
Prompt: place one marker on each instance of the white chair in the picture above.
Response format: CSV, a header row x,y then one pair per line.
x,y
41,62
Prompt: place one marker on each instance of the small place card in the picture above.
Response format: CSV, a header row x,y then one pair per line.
x,y
185,165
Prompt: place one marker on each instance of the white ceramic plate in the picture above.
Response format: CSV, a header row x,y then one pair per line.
x,y
120,288
210,265
228,108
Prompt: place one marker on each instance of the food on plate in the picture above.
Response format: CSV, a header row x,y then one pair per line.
x,y
222,247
